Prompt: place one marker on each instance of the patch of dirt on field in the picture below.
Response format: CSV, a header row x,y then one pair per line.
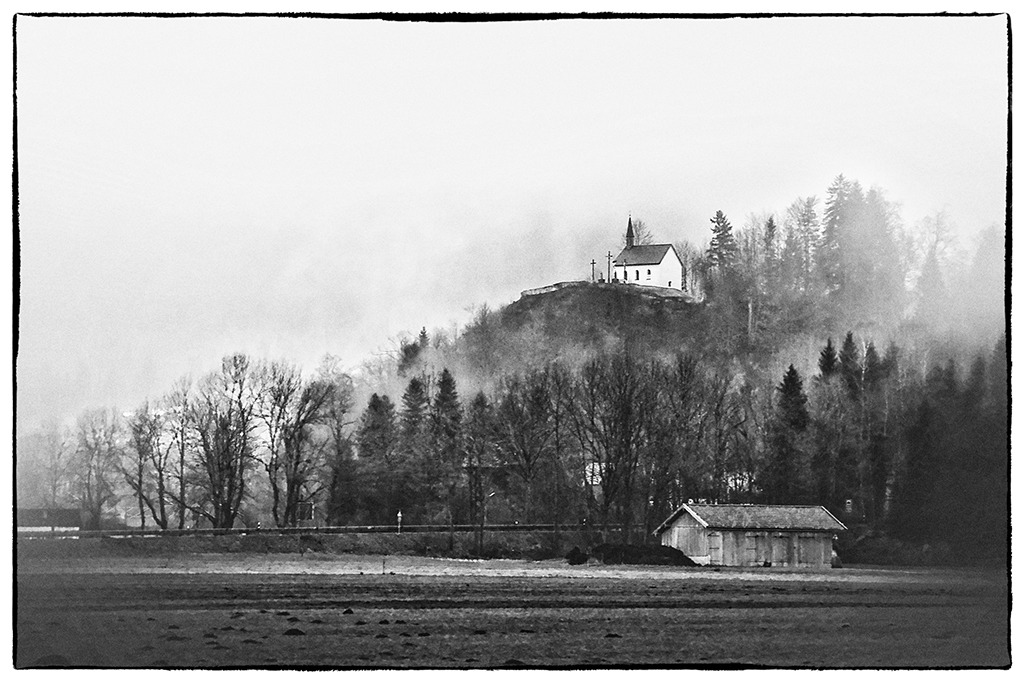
x,y
351,612
316,563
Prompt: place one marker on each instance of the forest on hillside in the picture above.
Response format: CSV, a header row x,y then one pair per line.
x,y
834,357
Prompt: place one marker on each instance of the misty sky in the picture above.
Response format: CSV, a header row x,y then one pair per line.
x,y
288,188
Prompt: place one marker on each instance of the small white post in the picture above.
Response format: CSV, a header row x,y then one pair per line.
x,y
399,521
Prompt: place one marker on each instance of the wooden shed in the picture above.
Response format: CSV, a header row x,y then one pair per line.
x,y
752,535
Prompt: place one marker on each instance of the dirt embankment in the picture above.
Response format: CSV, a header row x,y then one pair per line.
x,y
526,545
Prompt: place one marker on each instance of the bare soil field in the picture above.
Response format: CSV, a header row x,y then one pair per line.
x,y
358,611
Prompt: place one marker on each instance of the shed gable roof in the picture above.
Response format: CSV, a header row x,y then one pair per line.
x,y
643,255
746,516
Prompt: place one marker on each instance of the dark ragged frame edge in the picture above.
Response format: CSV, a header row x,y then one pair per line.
x,y
451,17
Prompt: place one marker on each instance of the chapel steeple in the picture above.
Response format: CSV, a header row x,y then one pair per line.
x,y
630,237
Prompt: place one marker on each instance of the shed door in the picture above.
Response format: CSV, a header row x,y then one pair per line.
x,y
714,548
764,549
781,551
750,555
808,550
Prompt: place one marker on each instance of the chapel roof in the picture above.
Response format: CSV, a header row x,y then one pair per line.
x,y
743,516
642,255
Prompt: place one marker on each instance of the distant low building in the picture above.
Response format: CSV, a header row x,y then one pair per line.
x,y
655,265
49,519
752,535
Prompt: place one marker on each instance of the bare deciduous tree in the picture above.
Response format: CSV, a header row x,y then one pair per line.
x,y
44,463
178,403
289,408
641,233
614,401
147,469
96,463
222,417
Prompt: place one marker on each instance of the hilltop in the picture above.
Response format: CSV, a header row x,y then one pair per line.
x,y
593,313
571,318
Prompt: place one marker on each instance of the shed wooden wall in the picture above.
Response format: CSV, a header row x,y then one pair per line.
x,y
778,548
741,548
687,535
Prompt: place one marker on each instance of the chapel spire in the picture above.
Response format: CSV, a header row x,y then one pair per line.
x,y
630,237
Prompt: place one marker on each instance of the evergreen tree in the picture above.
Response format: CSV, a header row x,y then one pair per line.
x,y
913,510
415,447
410,352
877,457
791,263
723,249
829,264
793,401
874,368
849,362
414,408
377,441
446,455
964,450
877,288
376,435
446,421
342,504
771,244
785,480
446,413
828,361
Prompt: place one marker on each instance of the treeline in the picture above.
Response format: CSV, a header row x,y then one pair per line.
x,y
844,263
623,440
848,259
251,441
769,288
598,406
619,441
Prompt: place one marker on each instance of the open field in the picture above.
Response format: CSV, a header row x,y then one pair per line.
x,y
257,610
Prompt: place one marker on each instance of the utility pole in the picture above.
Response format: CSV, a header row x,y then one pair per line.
x,y
593,263
609,266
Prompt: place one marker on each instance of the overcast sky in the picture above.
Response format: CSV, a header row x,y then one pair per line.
x,y
288,188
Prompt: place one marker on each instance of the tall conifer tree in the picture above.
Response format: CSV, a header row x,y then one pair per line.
x,y
723,249
849,362
786,480
828,360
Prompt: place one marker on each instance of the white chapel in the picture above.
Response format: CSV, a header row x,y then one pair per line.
x,y
655,265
